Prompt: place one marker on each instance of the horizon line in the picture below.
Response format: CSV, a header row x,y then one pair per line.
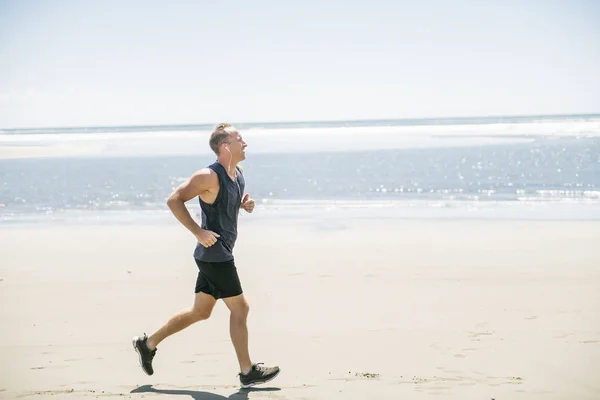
x,y
594,114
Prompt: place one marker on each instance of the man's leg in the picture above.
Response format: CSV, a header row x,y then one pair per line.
x,y
251,374
238,329
146,346
203,306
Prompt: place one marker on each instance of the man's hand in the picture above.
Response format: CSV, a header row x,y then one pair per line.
x,y
207,238
248,203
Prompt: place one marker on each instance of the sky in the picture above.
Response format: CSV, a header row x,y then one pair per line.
x,y
130,62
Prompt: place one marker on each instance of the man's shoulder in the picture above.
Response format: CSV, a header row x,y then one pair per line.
x,y
209,170
206,175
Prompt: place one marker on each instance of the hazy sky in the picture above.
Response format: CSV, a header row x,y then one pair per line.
x,y
89,62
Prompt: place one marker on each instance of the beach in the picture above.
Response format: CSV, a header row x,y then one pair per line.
x,y
425,186
349,308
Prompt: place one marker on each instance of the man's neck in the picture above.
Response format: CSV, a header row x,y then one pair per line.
x,y
224,161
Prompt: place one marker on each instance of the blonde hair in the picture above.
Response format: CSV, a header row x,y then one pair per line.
x,y
219,136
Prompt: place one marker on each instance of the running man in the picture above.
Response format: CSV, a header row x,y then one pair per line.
x,y
219,188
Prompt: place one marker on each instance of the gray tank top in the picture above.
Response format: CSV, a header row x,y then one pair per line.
x,y
222,216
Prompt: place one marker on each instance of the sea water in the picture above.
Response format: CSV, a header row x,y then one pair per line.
x,y
511,167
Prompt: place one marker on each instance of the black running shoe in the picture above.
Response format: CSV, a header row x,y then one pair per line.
x,y
146,355
258,374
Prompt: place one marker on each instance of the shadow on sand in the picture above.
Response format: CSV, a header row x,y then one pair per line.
x,y
242,394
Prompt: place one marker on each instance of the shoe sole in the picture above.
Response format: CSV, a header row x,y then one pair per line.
x,y
135,347
249,385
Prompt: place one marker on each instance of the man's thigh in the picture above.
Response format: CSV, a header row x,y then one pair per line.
x,y
204,303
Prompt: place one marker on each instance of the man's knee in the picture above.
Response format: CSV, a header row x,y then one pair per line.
x,y
241,310
201,315
203,306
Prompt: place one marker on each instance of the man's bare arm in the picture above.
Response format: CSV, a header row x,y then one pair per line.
x,y
200,182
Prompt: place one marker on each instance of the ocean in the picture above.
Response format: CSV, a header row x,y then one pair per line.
x,y
536,167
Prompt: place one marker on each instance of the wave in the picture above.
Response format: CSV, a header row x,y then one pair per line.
x,y
293,139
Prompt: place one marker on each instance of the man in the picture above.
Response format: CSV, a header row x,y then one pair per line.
x,y
219,188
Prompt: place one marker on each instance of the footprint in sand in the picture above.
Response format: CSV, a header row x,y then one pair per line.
x,y
563,336
514,380
507,380
475,336
366,375
357,375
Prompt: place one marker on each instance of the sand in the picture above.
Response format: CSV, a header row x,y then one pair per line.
x,y
350,309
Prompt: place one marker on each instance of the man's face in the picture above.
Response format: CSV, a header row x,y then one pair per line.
x,y
236,144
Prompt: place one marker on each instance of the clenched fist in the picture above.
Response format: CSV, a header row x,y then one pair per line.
x,y
207,238
248,203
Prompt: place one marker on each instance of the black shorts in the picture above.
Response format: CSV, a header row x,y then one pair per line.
x,y
219,279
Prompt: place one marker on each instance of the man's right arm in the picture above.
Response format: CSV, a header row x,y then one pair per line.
x,y
200,182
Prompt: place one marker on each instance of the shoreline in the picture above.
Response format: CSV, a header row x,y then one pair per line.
x,y
268,209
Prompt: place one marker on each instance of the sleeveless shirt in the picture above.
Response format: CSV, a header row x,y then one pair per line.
x,y
221,216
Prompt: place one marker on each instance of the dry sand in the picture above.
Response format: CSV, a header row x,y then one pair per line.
x,y
360,309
